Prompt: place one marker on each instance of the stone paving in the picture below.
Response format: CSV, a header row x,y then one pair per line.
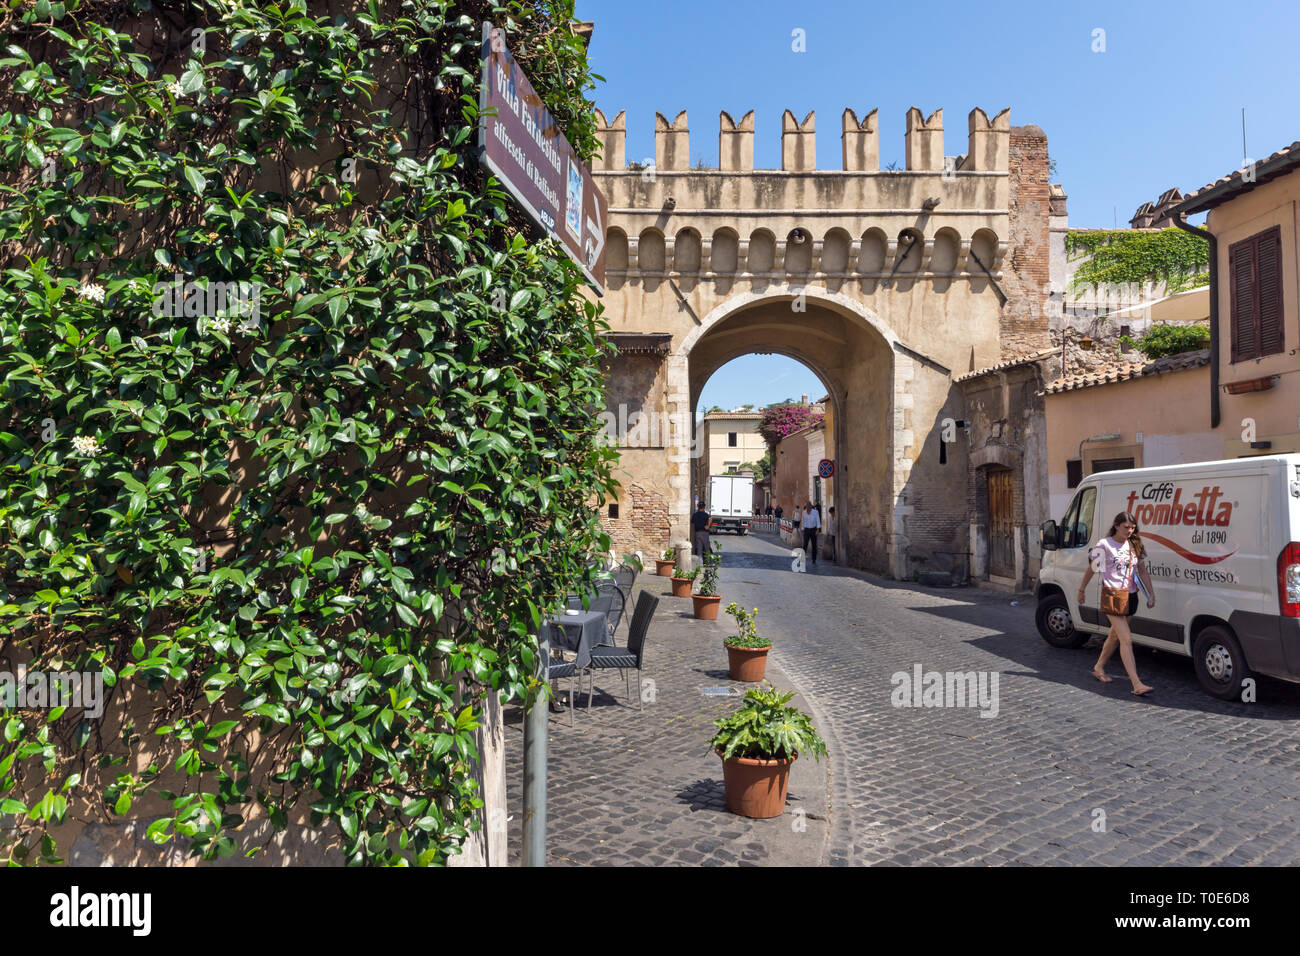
x,y
642,787
1181,778
1070,771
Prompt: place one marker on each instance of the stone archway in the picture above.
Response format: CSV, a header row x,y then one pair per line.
x,y
851,352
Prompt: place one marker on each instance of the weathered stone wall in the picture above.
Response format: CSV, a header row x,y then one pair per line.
x,y
1028,283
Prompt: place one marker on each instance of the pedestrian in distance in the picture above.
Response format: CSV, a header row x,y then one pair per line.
x,y
700,527
829,550
811,525
1119,559
779,512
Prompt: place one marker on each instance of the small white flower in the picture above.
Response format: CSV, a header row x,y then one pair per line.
x,y
86,445
175,89
220,324
91,290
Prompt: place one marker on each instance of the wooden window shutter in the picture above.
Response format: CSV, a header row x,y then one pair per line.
x,y
1241,294
1268,282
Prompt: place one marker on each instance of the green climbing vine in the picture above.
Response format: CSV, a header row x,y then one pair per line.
x,y
295,436
1131,257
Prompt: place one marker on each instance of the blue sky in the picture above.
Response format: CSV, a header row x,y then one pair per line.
x,y
1160,107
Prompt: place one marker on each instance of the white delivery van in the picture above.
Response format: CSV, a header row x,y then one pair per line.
x,y
731,502
1223,547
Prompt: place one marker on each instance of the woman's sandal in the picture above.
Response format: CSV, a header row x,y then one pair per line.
x,y
1100,676
1142,693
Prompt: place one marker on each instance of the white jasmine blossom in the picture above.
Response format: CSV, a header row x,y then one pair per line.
x,y
86,445
175,89
222,325
91,290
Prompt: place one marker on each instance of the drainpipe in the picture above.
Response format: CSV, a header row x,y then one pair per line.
x,y
1181,222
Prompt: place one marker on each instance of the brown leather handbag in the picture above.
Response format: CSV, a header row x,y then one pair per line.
x,y
1115,600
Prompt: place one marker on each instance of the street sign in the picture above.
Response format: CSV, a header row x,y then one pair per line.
x,y
524,148
825,467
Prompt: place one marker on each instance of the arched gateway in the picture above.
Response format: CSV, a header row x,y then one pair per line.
x,y
887,284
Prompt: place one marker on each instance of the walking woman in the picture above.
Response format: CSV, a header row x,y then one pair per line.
x,y
1119,559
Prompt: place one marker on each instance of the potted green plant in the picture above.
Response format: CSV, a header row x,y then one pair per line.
x,y
683,581
707,597
757,744
664,565
746,651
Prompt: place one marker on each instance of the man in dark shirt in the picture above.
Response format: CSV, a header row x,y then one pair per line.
x,y
700,527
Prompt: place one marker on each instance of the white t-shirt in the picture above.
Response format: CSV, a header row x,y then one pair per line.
x,y
811,519
1116,564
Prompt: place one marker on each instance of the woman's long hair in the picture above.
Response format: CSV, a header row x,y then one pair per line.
x,y
1135,542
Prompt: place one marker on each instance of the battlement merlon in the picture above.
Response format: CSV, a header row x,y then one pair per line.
x,y
672,142
988,145
798,143
613,142
735,142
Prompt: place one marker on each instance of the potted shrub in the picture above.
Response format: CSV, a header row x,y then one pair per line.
x,y
746,651
664,566
707,598
757,744
683,582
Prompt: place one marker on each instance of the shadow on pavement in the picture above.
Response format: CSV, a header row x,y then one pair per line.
x,y
704,795
1171,674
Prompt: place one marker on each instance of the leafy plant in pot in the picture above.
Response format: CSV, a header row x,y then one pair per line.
x,y
707,597
757,744
683,581
746,651
664,565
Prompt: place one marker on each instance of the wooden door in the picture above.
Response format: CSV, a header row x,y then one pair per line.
x,y
1002,558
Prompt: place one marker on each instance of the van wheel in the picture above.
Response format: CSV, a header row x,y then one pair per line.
x,y
1056,625
1220,665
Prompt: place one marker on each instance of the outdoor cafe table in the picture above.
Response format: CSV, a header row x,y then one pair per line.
x,y
579,632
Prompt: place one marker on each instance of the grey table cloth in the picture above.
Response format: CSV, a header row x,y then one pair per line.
x,y
579,632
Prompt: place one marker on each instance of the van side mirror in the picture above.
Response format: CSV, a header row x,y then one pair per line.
x,y
1050,535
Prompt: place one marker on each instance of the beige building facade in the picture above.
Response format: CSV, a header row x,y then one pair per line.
x,y
1239,397
727,441
887,284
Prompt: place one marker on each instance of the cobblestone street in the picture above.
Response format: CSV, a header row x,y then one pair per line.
x,y
1177,779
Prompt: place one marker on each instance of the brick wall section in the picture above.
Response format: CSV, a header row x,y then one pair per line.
x,y
642,524
1027,275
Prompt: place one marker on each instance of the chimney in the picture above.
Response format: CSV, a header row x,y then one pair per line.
x,y
803,399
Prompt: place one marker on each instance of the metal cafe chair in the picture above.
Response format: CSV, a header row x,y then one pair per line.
x,y
627,659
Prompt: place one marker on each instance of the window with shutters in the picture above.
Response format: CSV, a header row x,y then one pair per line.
x,y
1255,292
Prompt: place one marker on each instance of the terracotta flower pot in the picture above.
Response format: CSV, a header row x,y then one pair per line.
x,y
756,788
747,663
706,606
682,587
664,568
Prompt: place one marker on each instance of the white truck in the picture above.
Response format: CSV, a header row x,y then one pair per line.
x,y
730,503
1222,543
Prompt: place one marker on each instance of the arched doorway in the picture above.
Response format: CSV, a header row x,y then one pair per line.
x,y
850,351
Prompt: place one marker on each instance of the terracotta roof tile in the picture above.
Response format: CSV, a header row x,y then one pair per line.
x,y
1284,157
1010,363
1124,371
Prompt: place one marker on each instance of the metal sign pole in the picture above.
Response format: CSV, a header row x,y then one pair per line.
x,y
536,727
